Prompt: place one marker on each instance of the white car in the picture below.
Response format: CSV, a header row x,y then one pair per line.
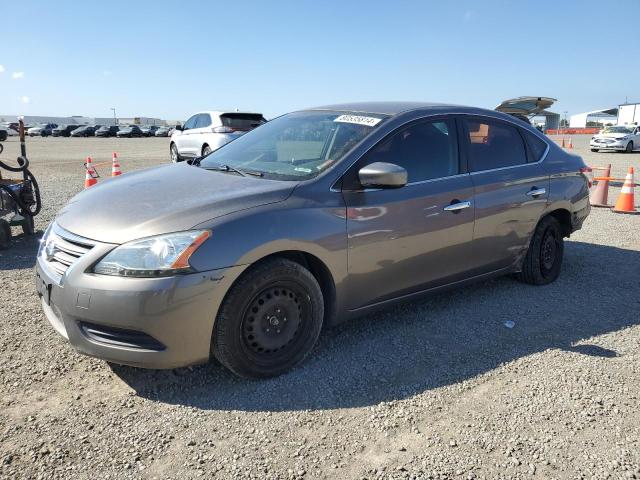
x,y
619,137
205,132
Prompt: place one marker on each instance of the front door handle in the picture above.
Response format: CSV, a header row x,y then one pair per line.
x,y
456,206
536,192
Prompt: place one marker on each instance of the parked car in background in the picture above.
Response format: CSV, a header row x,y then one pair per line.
x,y
85,131
162,132
149,130
205,132
63,130
107,131
42,130
129,131
619,138
11,128
4,134
313,218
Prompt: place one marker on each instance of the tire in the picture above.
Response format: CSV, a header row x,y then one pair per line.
x,y
206,150
28,225
173,153
543,261
594,149
276,294
629,148
5,234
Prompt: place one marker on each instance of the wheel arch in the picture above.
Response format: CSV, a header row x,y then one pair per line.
x,y
311,262
563,216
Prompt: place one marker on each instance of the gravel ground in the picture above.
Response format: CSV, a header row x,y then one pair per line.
x,y
439,388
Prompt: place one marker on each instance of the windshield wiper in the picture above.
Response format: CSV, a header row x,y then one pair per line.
x,y
229,168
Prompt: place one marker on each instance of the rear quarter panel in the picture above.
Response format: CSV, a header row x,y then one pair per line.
x,y
568,187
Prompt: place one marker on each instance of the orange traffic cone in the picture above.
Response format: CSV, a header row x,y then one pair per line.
x,y
91,177
570,143
563,142
115,166
625,203
601,192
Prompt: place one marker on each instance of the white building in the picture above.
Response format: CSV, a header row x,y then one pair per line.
x,y
625,114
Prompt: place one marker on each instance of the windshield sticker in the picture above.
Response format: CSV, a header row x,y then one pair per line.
x,y
303,170
358,120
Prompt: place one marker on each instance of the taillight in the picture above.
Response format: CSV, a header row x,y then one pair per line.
x,y
222,129
585,170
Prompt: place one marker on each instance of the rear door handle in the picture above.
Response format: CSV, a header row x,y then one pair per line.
x,y
457,206
536,192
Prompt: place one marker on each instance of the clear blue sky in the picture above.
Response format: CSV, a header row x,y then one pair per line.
x,y
171,58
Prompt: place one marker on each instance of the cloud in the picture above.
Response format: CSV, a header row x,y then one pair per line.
x,y
1,68
25,99
16,75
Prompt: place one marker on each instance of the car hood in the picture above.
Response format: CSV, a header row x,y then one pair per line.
x,y
612,135
165,199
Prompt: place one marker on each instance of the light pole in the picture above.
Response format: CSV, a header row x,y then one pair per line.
x,y
115,120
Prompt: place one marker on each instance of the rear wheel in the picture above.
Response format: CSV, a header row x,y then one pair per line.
x,y
629,148
206,150
269,321
543,261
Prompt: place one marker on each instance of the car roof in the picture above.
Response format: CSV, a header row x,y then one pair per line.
x,y
224,112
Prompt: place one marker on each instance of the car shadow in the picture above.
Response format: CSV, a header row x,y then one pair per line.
x,y
423,345
22,252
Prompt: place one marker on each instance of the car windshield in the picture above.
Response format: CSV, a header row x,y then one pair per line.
x,y
617,130
296,146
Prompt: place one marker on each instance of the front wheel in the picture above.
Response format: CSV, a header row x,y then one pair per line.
x,y
269,321
175,156
543,261
594,149
629,148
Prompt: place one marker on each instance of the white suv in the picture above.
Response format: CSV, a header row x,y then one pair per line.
x,y
205,132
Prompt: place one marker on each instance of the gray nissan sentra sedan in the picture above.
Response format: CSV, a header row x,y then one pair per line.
x,y
308,220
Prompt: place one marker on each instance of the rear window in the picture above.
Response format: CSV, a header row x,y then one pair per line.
x,y
536,145
242,121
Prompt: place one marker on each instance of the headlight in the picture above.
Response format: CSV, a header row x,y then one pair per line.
x,y
154,256
622,139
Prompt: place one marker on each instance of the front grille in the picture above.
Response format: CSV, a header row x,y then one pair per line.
x,y
62,249
120,337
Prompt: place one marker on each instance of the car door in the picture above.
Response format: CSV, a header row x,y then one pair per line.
x,y
185,140
636,138
511,189
407,239
202,128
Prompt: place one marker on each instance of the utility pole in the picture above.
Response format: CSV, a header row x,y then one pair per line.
x,y
115,120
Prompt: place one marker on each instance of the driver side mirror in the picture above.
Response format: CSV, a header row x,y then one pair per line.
x,y
382,175
179,128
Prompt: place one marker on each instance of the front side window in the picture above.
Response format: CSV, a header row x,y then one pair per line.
x,y
203,120
296,146
493,144
426,150
191,123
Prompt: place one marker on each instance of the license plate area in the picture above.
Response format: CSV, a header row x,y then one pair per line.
x,y
44,289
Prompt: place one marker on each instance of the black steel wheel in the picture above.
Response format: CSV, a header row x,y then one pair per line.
x,y
270,320
5,234
543,261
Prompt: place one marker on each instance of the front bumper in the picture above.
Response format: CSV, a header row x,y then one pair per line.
x,y
609,146
146,322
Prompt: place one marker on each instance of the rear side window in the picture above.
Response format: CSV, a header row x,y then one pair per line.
x,y
242,121
537,146
427,150
493,145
